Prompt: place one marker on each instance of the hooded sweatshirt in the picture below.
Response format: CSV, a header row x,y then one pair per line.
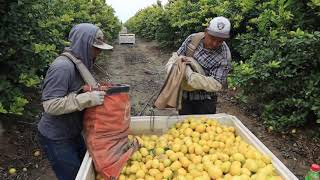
x,y
63,78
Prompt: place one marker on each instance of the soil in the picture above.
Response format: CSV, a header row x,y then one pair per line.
x,y
142,67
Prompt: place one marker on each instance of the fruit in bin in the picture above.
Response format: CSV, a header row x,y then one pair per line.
x,y
198,148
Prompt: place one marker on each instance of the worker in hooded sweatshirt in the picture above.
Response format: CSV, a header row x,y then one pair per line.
x,y
61,123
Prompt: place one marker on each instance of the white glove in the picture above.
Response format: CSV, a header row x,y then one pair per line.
x,y
200,82
90,99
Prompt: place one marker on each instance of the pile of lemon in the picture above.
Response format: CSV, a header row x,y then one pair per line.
x,y
198,149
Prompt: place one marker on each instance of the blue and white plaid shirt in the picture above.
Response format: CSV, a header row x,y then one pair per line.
x,y
215,63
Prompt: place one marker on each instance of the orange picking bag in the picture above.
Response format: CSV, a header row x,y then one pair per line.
x,y
106,129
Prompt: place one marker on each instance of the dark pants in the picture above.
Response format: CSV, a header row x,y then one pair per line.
x,y
207,106
65,156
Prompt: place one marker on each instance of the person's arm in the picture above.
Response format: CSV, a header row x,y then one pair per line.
x,y
73,102
201,82
212,83
58,100
181,52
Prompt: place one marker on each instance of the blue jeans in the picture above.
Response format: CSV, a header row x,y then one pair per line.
x,y
65,156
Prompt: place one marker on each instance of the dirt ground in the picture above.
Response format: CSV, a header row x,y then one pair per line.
x,y
142,67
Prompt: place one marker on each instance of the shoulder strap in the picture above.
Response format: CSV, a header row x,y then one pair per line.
x,y
84,72
195,41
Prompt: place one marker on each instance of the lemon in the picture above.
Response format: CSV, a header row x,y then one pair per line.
x,y
245,171
148,164
198,150
188,131
182,171
225,166
167,174
238,157
161,167
196,159
180,177
206,165
200,128
205,148
147,177
191,149
251,165
206,158
266,159
155,163
153,172
144,152
12,171
173,157
133,177
215,172
185,162
235,170
153,137
176,147
166,162
121,177
175,166
184,149
199,167
140,174
195,173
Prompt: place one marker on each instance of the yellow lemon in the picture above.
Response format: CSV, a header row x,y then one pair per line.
x,y
215,172
251,165
167,174
175,166
155,163
140,174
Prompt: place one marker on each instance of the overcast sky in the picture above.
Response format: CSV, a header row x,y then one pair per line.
x,y
127,8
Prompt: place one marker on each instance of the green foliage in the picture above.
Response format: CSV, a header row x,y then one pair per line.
x,y
275,46
33,33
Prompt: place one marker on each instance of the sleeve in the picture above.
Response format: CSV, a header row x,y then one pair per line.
x,y
56,83
200,82
221,73
183,49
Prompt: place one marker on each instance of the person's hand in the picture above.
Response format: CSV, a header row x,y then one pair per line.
x,y
97,97
186,60
90,99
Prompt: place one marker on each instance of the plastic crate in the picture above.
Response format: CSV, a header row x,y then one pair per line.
x,y
160,124
127,39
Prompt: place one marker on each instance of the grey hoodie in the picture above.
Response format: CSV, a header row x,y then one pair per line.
x,y
63,78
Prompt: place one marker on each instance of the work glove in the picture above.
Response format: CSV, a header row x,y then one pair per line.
x,y
200,82
90,99
73,102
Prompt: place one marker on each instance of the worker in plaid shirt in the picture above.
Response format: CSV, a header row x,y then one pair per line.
x,y
213,54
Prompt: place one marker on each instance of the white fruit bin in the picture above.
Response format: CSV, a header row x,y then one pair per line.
x,y
160,124
127,38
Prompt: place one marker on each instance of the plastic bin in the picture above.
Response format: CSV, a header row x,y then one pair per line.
x,y
127,39
160,124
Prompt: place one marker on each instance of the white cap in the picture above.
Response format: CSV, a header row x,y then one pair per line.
x,y
99,41
219,27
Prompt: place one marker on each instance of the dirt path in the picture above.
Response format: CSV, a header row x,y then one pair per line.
x,y
142,67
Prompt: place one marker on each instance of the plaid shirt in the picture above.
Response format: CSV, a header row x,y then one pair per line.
x,y
215,63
